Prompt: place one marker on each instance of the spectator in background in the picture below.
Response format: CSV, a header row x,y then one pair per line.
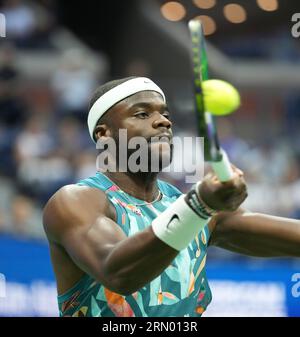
x,y
12,106
232,143
292,120
73,144
69,137
270,162
20,20
25,217
40,177
33,141
72,83
19,214
84,165
8,69
41,167
27,25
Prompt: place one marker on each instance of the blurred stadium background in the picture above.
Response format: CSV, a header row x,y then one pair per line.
x,y
56,53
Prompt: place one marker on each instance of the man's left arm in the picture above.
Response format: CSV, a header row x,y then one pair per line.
x,y
256,234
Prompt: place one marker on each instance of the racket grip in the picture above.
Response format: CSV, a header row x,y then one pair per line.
x,y
223,168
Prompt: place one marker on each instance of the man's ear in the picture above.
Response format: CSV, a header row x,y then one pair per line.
x,y
102,131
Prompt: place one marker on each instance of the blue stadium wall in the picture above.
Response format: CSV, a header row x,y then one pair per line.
x,y
240,288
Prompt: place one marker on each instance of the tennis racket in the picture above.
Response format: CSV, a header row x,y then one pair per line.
x,y
213,153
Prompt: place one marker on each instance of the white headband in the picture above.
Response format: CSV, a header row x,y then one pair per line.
x,y
115,95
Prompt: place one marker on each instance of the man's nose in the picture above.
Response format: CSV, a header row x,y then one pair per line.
x,y
162,121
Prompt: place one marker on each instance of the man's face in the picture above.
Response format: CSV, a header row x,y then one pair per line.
x,y
145,115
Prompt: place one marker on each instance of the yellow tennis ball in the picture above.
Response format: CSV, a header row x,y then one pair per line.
x,y
220,97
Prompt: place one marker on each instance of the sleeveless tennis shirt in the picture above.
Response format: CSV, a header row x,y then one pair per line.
x,y
181,290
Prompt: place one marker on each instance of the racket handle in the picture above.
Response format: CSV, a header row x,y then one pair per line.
x,y
223,168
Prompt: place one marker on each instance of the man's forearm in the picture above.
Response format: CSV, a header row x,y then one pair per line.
x,y
136,261
257,234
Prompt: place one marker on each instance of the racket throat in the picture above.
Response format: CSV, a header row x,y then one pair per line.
x,y
212,147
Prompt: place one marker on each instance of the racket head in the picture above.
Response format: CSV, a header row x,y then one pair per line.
x,y
205,121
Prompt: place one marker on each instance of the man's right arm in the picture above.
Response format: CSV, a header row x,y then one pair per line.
x,y
78,219
81,220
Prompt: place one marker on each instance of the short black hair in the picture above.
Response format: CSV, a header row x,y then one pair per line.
x,y
101,90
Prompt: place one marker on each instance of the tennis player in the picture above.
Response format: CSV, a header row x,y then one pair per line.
x,y
125,243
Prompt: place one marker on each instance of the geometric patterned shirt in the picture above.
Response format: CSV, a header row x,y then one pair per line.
x,y
180,290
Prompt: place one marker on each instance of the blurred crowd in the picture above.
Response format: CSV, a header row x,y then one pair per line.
x,y
44,142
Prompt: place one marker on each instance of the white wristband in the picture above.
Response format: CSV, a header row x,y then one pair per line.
x,y
178,225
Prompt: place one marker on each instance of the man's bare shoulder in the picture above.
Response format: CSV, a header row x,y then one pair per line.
x,y
68,197
74,206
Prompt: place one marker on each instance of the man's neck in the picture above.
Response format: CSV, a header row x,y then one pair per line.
x,y
140,185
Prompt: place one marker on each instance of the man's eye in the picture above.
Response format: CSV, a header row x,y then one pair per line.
x,y
167,115
141,114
